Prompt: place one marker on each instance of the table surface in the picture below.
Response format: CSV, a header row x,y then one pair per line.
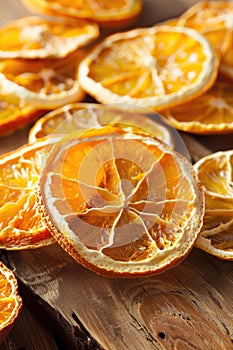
x,y
188,307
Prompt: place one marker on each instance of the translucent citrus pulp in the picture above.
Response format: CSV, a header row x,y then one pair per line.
x,y
43,83
155,67
121,203
100,11
14,114
35,37
79,116
216,175
210,113
21,225
10,301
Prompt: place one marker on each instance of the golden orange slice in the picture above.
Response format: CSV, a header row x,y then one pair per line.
x,y
216,174
10,301
79,116
21,226
43,83
121,203
215,20
210,113
35,37
155,67
101,11
14,115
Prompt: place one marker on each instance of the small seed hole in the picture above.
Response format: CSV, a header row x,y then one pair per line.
x,y
162,335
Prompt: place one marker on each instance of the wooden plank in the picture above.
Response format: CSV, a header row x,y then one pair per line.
x,y
190,305
28,333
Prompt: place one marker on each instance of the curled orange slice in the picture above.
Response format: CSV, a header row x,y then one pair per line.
x,y
121,203
210,113
216,174
21,226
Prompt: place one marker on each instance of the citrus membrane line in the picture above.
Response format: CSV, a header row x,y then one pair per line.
x,y
112,232
79,182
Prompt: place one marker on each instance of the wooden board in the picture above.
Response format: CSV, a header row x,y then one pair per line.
x,y
188,307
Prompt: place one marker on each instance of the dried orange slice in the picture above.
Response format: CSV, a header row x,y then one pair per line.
x,y
121,203
15,114
21,226
79,116
155,67
210,113
10,301
35,37
101,11
216,174
214,20
44,83
206,14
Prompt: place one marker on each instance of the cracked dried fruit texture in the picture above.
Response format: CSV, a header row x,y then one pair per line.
x,y
10,301
216,174
121,203
156,68
21,226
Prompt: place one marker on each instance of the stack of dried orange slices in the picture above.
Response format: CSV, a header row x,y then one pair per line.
x,y
22,226
113,193
174,67
38,61
128,222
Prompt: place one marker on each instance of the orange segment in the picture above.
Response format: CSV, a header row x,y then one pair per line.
x,y
101,11
43,83
34,37
10,301
121,203
14,114
216,174
210,113
21,225
153,67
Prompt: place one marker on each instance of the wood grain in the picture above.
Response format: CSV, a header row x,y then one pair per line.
x,y
28,333
188,307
